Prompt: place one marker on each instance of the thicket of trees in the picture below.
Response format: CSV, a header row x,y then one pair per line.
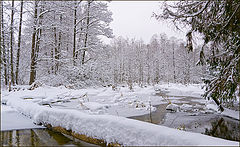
x,y
55,43
219,23
162,60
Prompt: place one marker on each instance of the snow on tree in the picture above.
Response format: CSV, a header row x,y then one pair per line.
x,y
61,45
219,23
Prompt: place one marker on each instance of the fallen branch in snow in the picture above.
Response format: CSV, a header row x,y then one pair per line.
x,y
35,85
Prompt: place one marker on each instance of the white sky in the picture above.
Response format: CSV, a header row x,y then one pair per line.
x,y
133,19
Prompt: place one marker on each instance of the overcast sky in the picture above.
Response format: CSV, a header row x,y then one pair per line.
x,y
133,19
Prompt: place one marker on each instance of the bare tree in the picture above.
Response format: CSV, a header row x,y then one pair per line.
x,y
86,35
33,52
19,41
1,51
74,32
11,43
3,47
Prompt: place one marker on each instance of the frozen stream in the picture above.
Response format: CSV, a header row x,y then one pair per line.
x,y
193,113
193,118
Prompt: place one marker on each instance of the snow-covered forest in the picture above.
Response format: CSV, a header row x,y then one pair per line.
x,y
58,72
62,46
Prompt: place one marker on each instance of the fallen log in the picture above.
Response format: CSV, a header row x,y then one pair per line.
x,y
82,137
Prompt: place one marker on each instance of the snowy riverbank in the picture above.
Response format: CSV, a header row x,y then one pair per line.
x,y
91,112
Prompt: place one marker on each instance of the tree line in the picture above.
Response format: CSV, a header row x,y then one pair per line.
x,y
41,38
162,60
58,43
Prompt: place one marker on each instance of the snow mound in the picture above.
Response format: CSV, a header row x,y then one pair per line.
x,y
227,112
172,107
193,90
231,113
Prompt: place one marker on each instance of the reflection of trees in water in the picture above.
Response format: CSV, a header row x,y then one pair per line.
x,y
10,139
61,139
17,138
224,129
36,137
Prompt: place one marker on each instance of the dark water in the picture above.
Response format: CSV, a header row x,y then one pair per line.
x,y
209,124
224,128
38,137
156,117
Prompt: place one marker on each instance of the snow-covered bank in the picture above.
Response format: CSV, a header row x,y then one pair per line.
x,y
174,89
227,112
112,128
121,102
92,109
13,120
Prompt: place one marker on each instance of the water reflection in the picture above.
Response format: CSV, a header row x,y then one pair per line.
x,y
209,124
225,129
38,137
156,117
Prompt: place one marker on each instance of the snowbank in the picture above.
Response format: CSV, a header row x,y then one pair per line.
x,y
174,89
226,112
172,107
112,128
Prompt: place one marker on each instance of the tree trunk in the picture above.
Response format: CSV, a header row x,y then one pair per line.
x,y
57,54
1,51
19,41
33,54
11,43
56,50
52,58
148,66
86,35
174,70
4,49
38,34
74,34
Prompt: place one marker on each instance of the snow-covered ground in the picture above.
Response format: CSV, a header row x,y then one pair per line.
x,y
193,90
100,112
121,102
